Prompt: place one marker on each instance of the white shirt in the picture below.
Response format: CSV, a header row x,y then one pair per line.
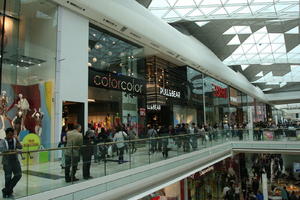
x,y
120,137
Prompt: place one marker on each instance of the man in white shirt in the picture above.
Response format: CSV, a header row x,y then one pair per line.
x,y
120,137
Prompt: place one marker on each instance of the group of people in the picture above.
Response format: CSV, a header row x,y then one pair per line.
x,y
77,145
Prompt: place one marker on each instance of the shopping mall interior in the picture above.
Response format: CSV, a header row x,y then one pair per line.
x,y
150,99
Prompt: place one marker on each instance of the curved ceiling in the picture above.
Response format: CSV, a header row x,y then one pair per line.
x,y
259,38
129,18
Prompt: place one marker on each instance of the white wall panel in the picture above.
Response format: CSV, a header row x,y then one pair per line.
x,y
72,59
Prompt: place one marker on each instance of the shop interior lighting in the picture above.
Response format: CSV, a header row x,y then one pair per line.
x,y
22,61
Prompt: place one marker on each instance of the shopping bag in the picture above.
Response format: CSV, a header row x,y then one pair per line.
x,y
109,151
171,144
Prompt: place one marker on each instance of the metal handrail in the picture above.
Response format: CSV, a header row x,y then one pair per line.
x,y
137,140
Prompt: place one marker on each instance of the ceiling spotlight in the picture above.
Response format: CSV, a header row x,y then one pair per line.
x,y
17,66
94,34
89,64
121,64
26,68
122,54
94,59
103,39
109,53
39,65
22,60
98,46
113,42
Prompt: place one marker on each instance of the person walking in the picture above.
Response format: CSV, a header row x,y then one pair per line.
x,y
120,137
11,164
152,134
87,152
72,154
63,143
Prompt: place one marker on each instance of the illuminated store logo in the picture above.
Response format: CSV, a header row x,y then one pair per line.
x,y
169,93
153,107
203,172
116,82
219,91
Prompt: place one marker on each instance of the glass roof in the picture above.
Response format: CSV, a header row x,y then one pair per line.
x,y
261,47
175,10
270,79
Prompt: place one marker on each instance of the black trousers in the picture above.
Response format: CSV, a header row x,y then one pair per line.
x,y
121,154
87,159
13,174
71,163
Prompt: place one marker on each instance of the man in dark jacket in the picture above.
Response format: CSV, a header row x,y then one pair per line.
x,y
11,164
87,152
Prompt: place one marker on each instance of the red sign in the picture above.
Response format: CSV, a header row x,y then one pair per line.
x,y
219,91
142,112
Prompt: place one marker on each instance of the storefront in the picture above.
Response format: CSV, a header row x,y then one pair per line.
x,y
238,108
209,183
167,93
216,101
117,89
27,64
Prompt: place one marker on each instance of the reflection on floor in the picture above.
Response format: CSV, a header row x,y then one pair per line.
x,y
47,176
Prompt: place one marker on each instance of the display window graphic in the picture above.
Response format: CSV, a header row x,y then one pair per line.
x,y
28,110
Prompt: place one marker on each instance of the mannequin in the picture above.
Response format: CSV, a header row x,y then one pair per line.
x,y
3,107
107,121
38,117
17,123
23,106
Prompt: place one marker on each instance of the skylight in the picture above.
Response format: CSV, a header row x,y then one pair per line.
x,y
202,23
214,9
269,79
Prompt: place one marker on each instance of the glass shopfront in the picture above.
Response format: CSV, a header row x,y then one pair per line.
x,y
238,108
116,81
28,52
166,93
195,93
216,102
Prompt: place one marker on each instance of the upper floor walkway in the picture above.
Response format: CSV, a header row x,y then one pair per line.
x,y
144,168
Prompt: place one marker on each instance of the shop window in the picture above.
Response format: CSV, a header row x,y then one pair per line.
x,y
28,53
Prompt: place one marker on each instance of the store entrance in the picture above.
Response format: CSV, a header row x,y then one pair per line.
x,y
73,113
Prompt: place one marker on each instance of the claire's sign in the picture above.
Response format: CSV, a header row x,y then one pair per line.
x,y
219,91
113,81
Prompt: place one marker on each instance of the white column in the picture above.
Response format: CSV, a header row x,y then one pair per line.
x,y
71,65
186,195
265,186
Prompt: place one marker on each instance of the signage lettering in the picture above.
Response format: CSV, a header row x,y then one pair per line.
x,y
116,82
169,93
219,91
153,107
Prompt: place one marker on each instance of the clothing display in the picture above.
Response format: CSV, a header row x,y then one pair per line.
x,y
38,117
23,106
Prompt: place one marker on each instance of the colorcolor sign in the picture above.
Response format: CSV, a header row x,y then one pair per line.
x,y
116,82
